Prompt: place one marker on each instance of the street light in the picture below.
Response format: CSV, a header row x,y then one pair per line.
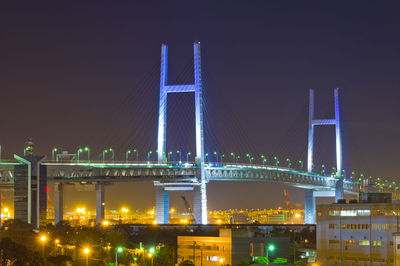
x,y
113,153
53,151
169,156
127,154
222,158
270,248
148,156
301,164
104,153
151,257
276,161
250,158
79,151
233,157
137,154
187,156
88,153
289,162
87,251
264,160
43,239
216,155
323,171
117,250
206,156
180,156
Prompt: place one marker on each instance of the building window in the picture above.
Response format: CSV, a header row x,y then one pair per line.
x,y
348,213
333,213
378,243
334,241
363,242
349,242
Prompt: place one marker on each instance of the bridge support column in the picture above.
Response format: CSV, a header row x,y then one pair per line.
x,y
339,193
309,207
162,205
200,204
58,202
100,202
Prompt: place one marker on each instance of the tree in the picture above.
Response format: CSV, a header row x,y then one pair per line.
x,y
280,261
261,260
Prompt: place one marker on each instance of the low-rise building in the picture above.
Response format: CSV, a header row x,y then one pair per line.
x,y
230,247
358,233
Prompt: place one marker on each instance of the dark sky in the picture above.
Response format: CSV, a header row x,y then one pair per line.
x,y
76,73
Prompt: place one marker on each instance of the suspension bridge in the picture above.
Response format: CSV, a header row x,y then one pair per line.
x,y
29,176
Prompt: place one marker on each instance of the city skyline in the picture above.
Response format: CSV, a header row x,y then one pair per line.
x,y
67,75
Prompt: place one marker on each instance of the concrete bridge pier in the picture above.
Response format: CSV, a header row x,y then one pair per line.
x,y
100,202
162,205
162,200
309,207
58,202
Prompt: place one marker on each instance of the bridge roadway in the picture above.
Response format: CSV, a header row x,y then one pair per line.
x,y
169,177
84,172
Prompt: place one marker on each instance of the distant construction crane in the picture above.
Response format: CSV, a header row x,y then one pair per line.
x,y
287,198
187,206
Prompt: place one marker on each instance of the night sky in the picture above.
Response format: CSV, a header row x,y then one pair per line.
x,y
75,73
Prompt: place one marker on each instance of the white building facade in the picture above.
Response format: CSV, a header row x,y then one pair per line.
x,y
357,233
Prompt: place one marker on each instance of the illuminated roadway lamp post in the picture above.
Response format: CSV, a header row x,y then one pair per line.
x,y
169,156
301,165
289,165
323,171
222,158
187,156
250,158
78,152
263,159
180,156
137,154
276,161
113,154
127,154
333,171
117,250
104,153
53,151
148,156
233,157
87,149
206,157
216,156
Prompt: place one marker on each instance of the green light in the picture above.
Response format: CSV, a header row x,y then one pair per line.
x,y
120,249
271,247
152,250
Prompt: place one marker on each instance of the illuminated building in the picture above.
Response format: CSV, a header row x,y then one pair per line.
x,y
230,247
358,233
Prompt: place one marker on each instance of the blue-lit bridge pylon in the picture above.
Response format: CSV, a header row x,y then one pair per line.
x,y
163,189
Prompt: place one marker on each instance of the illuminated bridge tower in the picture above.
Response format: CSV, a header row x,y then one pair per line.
x,y
309,203
200,193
